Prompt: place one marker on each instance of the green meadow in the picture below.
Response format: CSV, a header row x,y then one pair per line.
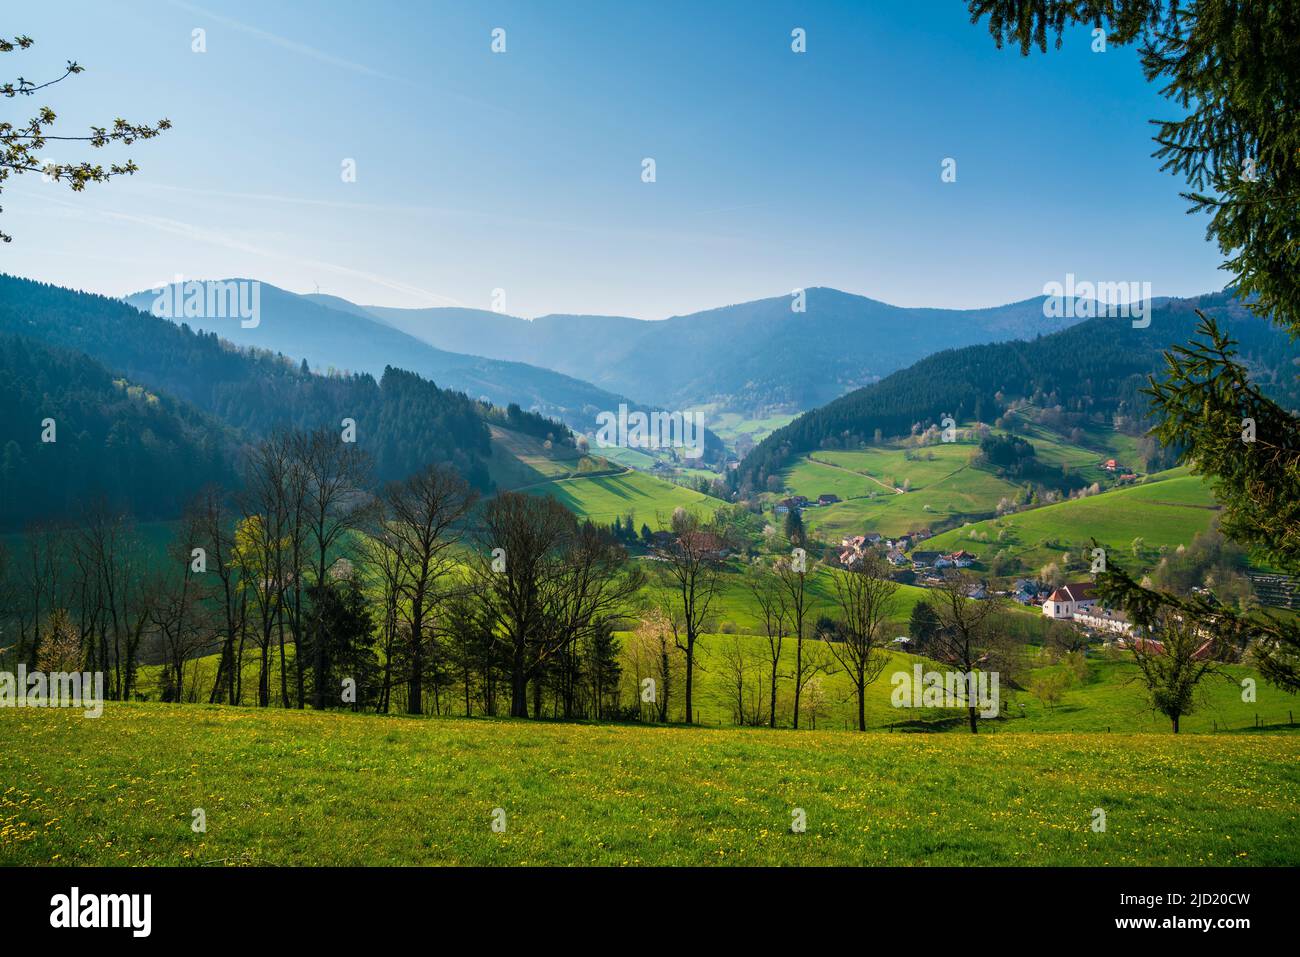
x,y
320,788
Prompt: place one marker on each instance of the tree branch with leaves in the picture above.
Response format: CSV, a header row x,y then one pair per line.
x,y
21,144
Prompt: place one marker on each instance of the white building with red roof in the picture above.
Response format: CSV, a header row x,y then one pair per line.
x,y
1068,599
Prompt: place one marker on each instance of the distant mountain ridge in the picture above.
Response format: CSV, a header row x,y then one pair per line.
x,y
754,357
332,333
1094,369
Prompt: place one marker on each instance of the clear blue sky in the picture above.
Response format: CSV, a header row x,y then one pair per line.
x,y
522,170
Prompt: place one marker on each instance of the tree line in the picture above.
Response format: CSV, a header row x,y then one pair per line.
x,y
312,586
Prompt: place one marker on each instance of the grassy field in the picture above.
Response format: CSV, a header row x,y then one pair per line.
x,y
607,497
315,788
939,479
1168,510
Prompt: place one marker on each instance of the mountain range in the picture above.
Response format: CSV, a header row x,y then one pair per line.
x,y
184,395
782,354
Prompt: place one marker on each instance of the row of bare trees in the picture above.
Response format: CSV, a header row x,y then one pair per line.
x,y
319,590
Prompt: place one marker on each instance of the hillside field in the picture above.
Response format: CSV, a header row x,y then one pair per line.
x,y
1168,510
940,481
604,498
291,787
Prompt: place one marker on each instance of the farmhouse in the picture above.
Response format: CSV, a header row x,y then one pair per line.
x,y
962,559
827,499
1066,600
924,559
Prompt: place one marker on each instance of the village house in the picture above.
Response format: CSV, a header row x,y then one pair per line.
x,y
1066,600
1025,591
924,559
827,499
962,559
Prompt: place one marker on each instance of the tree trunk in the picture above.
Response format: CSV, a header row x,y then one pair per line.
x,y
862,701
974,719
415,698
690,676
284,668
798,675
518,689
772,720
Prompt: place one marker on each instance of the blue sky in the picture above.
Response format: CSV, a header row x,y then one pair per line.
x,y
521,171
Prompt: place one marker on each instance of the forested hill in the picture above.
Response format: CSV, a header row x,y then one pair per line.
x,y
1091,372
403,420
72,432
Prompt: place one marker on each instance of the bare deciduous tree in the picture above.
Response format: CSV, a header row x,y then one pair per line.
x,y
867,598
770,596
967,636
693,567
422,525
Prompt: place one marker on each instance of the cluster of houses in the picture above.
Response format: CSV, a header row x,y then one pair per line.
x,y
940,560
854,547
